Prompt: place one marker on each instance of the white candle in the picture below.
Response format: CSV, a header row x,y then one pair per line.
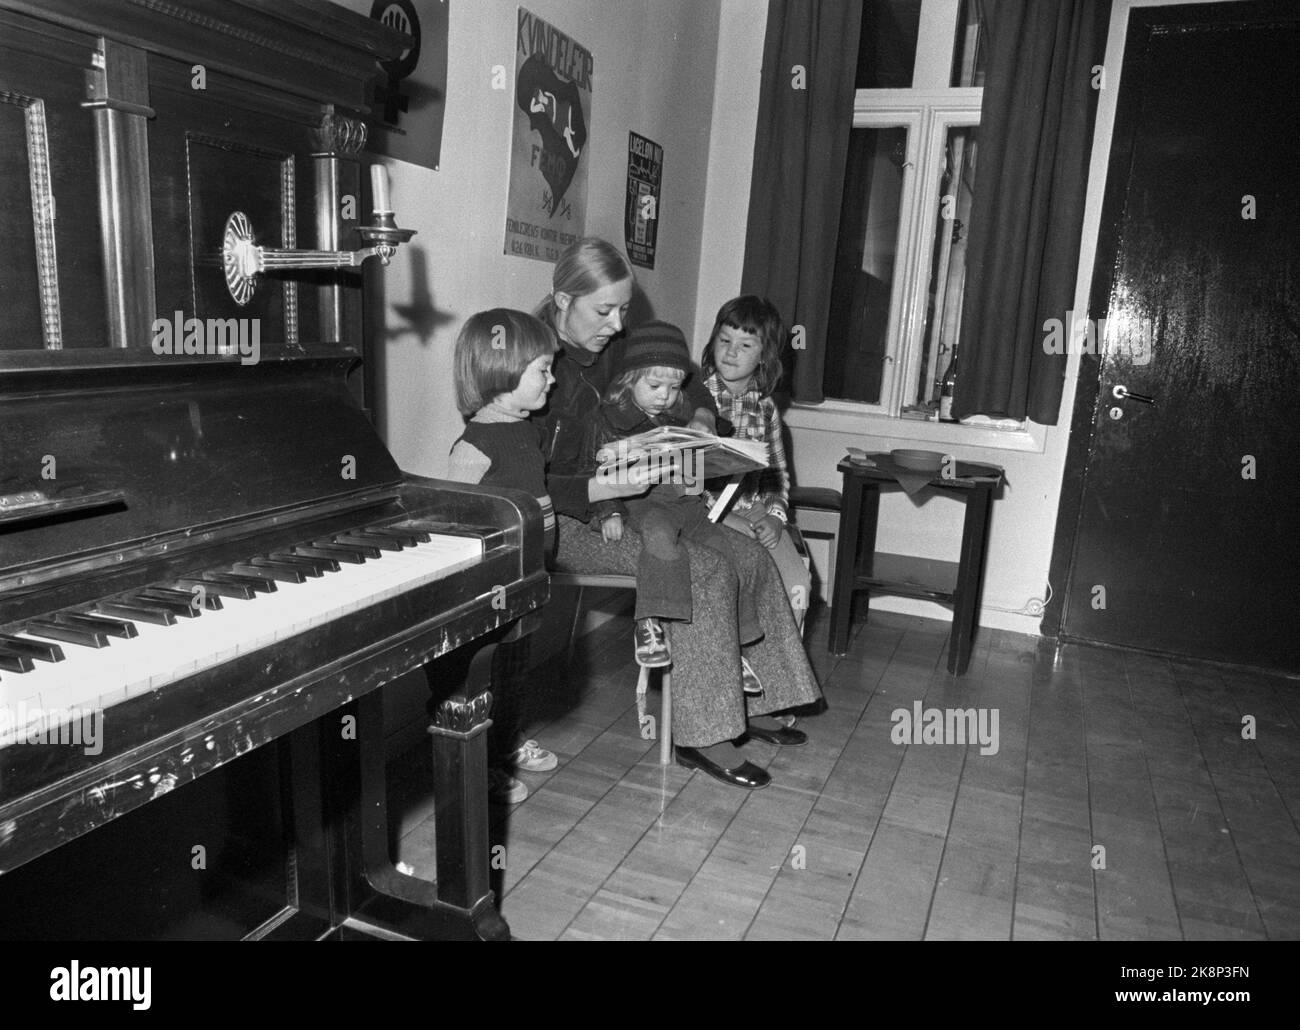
x,y
379,187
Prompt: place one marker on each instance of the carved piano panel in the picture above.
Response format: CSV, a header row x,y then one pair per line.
x,y
224,149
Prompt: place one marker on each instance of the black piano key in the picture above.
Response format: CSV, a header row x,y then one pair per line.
x,y
378,533
366,550
283,573
51,630
260,584
420,536
177,606
318,563
339,554
361,536
113,627
155,615
220,587
13,661
211,601
303,565
37,649
406,537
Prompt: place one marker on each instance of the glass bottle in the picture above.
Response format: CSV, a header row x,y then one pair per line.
x,y
946,387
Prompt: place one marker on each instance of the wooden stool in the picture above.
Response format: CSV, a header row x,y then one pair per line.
x,y
816,511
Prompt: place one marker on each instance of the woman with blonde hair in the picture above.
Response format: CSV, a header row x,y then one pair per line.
x,y
592,289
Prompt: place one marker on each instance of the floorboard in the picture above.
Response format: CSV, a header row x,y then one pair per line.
x,y
1122,797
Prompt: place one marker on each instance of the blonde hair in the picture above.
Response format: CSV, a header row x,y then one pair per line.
x,y
493,350
584,267
620,390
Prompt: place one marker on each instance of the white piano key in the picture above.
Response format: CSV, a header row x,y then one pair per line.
x,y
160,655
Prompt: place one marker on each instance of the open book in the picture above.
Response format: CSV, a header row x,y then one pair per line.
x,y
693,453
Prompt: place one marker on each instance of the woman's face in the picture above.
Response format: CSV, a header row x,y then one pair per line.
x,y
593,319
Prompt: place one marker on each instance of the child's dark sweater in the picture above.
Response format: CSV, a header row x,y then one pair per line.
x,y
505,453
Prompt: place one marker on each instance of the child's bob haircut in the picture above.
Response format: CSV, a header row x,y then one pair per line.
x,y
759,317
620,390
493,350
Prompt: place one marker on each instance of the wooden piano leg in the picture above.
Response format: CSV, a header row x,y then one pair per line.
x,y
383,903
460,779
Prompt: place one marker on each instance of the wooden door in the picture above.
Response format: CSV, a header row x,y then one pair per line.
x,y
1186,531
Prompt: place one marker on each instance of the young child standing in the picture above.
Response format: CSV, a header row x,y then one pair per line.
x,y
742,365
646,393
503,374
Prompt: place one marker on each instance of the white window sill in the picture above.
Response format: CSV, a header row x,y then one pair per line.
x,y
854,420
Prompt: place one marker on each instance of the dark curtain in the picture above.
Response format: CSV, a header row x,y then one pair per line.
x,y
1035,138
799,157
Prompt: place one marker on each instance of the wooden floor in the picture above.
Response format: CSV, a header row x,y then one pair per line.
x,y
1122,803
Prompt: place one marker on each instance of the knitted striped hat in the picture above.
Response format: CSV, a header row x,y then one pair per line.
x,y
652,345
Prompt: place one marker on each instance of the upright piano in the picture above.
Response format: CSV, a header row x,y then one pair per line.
x,y
211,565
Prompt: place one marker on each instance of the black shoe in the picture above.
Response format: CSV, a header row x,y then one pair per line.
x,y
786,736
747,775
749,680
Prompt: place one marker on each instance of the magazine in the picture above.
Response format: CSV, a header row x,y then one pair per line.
x,y
695,454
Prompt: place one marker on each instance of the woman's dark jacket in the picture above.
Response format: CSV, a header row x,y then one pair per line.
x,y
581,379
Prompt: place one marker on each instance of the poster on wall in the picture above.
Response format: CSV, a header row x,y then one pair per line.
x,y
546,208
411,98
645,167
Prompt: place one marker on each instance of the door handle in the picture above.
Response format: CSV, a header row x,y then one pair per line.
x,y
1121,392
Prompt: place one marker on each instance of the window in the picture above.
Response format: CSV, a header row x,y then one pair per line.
x,y
912,164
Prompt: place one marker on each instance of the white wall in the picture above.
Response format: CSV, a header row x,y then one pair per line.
x,y
653,73
742,25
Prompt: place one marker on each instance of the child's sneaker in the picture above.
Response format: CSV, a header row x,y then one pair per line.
x,y
749,679
651,644
532,757
504,789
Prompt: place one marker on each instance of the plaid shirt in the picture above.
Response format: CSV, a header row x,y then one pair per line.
x,y
754,417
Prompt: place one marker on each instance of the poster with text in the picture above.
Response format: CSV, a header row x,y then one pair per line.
x,y
410,100
547,203
645,167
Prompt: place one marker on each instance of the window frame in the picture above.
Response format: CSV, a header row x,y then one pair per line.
x,y
927,112
927,115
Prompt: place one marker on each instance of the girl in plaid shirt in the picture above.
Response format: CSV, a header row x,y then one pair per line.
x,y
742,365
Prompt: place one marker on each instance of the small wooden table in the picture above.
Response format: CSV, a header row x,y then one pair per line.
x,y
859,567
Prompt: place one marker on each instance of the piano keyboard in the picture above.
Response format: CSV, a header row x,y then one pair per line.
x,y
104,653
